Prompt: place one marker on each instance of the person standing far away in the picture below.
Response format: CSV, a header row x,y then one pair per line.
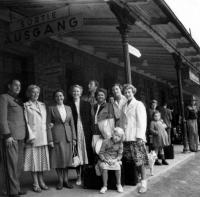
x,y
13,130
119,101
191,119
166,115
93,86
152,109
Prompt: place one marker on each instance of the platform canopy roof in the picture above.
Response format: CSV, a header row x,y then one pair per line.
x,y
154,30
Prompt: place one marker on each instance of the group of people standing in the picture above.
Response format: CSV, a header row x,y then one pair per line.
x,y
53,135
160,126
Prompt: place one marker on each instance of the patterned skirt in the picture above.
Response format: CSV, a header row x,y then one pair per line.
x,y
134,151
81,144
36,159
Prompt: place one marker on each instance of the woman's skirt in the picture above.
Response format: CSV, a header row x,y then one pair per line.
x,y
61,155
193,134
81,144
36,159
106,166
134,151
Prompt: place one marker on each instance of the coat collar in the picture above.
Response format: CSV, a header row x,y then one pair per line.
x,y
32,106
101,107
55,108
129,106
15,98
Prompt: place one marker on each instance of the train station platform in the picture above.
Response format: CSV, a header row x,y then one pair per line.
x,y
78,191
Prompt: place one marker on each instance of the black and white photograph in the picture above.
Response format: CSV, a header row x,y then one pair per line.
x,y
99,98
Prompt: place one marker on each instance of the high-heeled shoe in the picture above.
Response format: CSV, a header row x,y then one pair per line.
x,y
68,185
59,186
44,187
37,189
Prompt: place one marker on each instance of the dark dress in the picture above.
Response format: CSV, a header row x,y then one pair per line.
x,y
192,128
86,119
62,134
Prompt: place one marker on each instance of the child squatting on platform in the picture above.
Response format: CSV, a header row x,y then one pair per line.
x,y
110,158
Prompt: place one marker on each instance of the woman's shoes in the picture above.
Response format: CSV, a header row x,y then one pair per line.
x,y
59,186
120,188
78,182
157,163
103,190
37,189
67,185
143,187
164,162
44,187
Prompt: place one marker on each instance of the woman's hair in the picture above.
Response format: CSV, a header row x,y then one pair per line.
x,y
154,113
76,86
119,132
119,85
56,91
102,90
95,82
30,89
130,86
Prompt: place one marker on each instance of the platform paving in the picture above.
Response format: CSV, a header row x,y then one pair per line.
x,y
77,191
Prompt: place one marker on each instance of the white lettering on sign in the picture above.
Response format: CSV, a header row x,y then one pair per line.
x,y
62,25
194,77
27,22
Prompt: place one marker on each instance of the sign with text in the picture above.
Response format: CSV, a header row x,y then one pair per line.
x,y
194,76
62,25
190,75
28,22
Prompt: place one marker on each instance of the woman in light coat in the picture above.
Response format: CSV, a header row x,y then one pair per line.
x,y
134,121
36,150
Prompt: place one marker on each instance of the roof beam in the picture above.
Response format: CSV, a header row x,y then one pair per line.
x,y
174,35
191,53
100,21
195,59
184,45
137,1
159,21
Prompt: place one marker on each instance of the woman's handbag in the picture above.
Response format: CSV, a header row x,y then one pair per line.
x,y
75,160
106,127
96,143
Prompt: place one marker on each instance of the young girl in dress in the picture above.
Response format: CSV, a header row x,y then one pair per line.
x,y
110,158
160,137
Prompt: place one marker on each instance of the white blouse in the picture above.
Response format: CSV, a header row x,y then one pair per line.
x,y
62,111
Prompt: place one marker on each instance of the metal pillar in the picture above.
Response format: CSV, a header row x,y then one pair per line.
x,y
178,66
124,29
123,20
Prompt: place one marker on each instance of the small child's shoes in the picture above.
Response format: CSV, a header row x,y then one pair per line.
x,y
120,188
103,190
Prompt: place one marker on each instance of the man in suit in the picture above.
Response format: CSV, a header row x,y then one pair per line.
x,y
12,130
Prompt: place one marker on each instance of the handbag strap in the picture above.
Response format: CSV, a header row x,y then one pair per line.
x,y
74,151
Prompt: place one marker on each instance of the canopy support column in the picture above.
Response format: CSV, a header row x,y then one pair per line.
x,y
178,67
123,29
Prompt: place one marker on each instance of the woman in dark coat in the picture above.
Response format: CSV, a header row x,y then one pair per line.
x,y
102,109
191,119
63,134
81,111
